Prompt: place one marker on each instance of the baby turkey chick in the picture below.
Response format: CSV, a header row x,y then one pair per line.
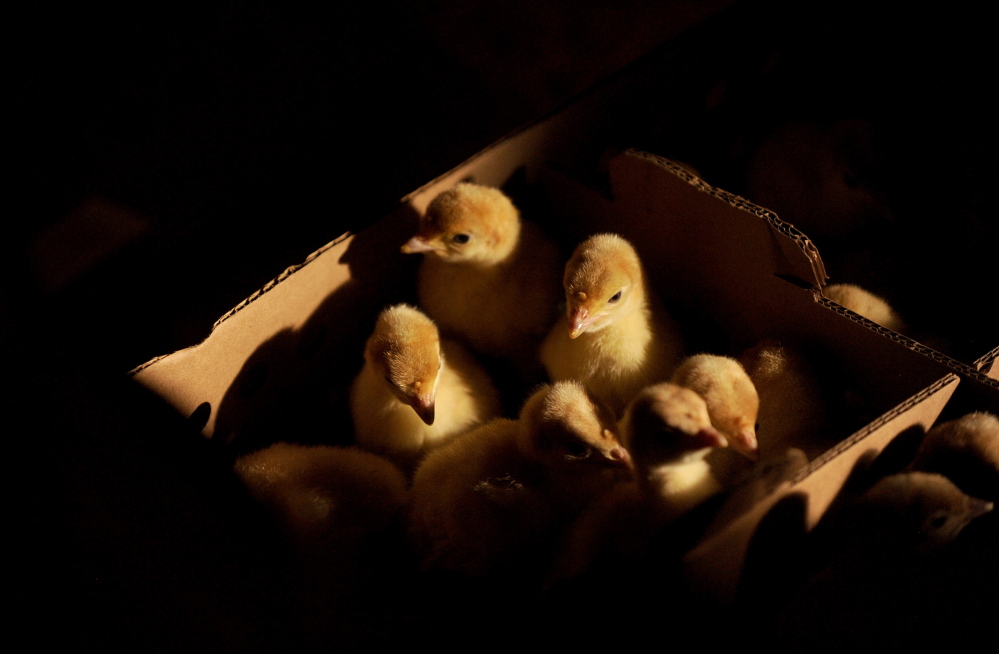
x,y
487,278
415,390
793,410
496,499
966,451
614,338
729,394
325,495
865,303
668,432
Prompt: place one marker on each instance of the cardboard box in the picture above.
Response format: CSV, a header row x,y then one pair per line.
x,y
734,273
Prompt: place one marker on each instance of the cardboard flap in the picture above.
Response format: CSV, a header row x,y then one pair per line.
x,y
670,202
205,372
716,566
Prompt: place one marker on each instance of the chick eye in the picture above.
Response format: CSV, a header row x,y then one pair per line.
x,y
615,297
577,450
460,239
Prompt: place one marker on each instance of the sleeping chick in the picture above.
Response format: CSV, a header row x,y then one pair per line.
x,y
793,409
614,337
966,451
668,432
415,391
487,278
865,303
729,394
495,499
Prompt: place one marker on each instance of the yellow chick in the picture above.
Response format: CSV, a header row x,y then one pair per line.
x,y
614,338
487,277
730,396
668,432
415,390
966,451
865,303
496,499
793,411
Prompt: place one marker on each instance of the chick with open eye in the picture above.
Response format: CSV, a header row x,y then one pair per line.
x,y
615,337
487,277
415,390
496,499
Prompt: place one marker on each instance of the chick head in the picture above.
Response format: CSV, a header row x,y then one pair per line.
x,y
666,423
603,280
565,426
966,450
923,511
405,348
469,223
730,396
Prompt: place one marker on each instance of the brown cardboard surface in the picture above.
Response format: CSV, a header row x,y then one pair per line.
x,y
714,568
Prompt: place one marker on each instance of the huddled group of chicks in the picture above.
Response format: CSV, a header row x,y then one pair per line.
x,y
622,432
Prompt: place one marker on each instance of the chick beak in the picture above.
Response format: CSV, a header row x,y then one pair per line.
x,y
745,443
579,321
417,244
980,507
620,458
424,407
708,437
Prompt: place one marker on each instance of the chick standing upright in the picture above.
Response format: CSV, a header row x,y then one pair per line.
x,y
497,498
487,278
614,338
416,390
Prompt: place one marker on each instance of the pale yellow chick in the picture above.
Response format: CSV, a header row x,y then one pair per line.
x,y
793,410
487,278
861,301
614,338
730,395
668,432
497,499
415,390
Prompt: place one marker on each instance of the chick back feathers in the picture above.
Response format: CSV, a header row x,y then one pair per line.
x,y
496,498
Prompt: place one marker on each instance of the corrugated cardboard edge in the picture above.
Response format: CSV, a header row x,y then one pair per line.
x,y
797,240
713,568
198,375
269,286
984,369
988,364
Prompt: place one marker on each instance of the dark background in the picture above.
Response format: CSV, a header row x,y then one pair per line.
x,y
167,159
